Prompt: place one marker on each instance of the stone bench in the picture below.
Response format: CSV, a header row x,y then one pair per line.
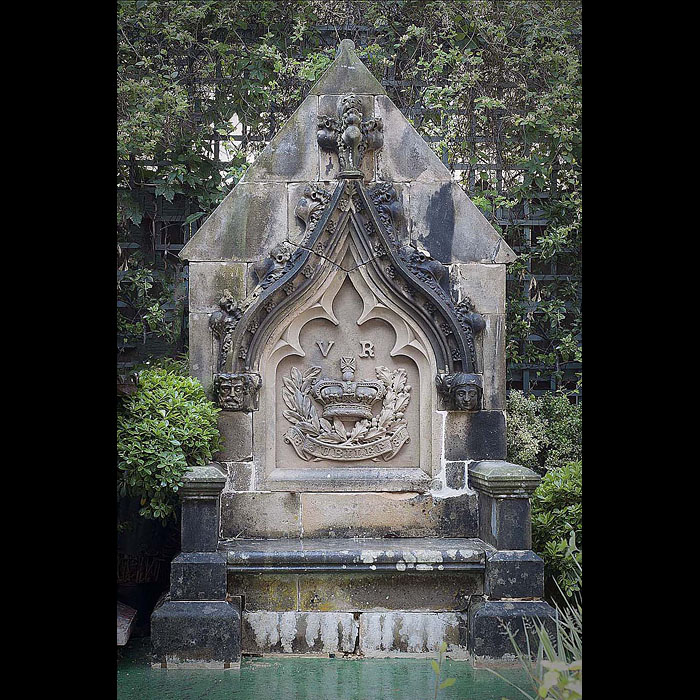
x,y
409,554
353,595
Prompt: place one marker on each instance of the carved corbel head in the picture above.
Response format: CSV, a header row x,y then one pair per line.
x,y
461,391
237,391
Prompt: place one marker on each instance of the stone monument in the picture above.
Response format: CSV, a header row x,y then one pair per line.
x,y
347,306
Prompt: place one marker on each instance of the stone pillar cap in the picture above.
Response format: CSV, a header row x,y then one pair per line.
x,y
203,481
503,479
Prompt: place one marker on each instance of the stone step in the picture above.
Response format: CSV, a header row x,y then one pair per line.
x,y
409,554
355,575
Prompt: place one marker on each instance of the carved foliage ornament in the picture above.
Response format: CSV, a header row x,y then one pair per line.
x,y
375,212
342,401
311,206
223,323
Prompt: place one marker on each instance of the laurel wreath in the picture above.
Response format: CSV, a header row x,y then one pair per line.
x,y
302,413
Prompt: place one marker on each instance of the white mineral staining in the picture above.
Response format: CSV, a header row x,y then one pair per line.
x,y
428,556
333,631
313,626
265,628
417,633
368,556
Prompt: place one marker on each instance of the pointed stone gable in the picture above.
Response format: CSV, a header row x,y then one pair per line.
x,y
259,212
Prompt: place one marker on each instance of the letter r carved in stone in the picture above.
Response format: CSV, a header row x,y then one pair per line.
x,y
367,348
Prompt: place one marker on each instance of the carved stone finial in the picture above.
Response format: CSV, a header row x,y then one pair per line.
x,y
461,391
347,44
349,135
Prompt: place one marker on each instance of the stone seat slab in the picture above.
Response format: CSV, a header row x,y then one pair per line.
x,y
356,554
125,621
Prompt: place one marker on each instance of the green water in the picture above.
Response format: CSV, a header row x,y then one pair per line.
x,y
293,678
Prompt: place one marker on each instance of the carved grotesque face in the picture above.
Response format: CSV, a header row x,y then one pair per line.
x,y
232,392
466,397
280,254
227,302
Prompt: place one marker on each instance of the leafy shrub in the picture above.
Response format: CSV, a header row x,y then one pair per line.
x,y
179,365
564,424
543,433
526,431
167,425
557,532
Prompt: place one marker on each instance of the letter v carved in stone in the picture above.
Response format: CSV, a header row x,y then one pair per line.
x,y
327,349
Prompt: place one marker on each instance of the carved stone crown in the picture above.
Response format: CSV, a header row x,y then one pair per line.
x,y
345,398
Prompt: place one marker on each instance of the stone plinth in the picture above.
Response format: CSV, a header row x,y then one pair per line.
x,y
489,621
504,502
196,627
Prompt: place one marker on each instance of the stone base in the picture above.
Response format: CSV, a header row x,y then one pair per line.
x,y
201,634
514,574
354,575
487,637
198,576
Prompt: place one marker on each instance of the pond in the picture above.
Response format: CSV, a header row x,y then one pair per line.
x,y
299,678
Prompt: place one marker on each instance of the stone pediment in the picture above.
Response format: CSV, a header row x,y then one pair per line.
x,y
260,211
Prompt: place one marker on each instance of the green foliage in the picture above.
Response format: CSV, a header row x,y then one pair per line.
x,y
179,365
145,292
167,425
543,433
557,529
437,670
490,82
